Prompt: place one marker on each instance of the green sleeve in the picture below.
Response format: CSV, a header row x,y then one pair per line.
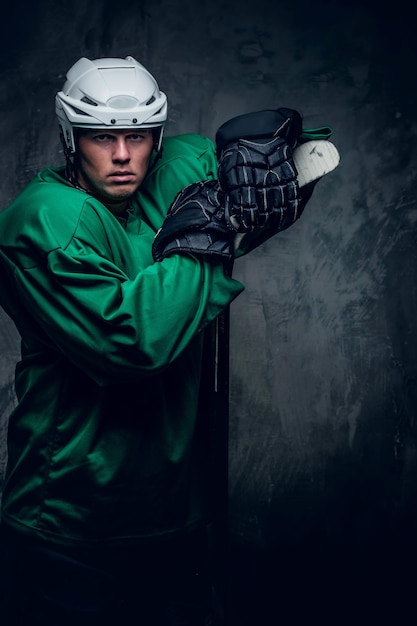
x,y
117,324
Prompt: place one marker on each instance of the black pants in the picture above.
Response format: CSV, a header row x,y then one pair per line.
x,y
166,584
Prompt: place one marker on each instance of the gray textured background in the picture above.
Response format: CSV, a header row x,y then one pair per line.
x,y
322,450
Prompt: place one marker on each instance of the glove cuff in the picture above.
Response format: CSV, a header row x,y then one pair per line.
x,y
261,125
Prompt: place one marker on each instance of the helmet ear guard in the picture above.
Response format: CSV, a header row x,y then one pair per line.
x,y
109,93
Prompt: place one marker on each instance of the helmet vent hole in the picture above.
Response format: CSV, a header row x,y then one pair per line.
x,y
151,99
88,101
79,112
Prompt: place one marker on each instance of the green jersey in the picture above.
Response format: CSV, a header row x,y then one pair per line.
x,y
106,442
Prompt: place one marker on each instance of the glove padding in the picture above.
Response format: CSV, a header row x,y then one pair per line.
x,y
195,224
256,170
260,186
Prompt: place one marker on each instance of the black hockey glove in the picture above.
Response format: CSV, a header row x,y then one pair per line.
x,y
195,224
256,170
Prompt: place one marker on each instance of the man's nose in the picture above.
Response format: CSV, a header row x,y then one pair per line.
x,y
121,150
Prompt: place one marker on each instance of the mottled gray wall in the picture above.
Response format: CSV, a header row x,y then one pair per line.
x,y
322,449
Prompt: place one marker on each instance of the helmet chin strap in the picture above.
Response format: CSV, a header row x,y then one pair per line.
x,y
70,166
69,160
71,170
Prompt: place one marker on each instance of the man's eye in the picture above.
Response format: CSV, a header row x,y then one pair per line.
x,y
102,137
136,137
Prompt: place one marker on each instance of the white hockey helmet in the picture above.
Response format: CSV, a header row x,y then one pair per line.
x,y
109,93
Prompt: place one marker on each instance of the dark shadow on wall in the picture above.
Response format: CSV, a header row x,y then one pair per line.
x,y
309,580
337,550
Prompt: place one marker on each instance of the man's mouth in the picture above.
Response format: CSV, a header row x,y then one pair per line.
x,y
122,176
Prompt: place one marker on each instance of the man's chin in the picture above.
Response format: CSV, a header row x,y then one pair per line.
x,y
120,193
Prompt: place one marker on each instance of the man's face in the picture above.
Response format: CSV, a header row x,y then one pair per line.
x,y
113,163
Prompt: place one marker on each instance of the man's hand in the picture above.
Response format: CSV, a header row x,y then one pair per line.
x,y
195,225
268,167
256,169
